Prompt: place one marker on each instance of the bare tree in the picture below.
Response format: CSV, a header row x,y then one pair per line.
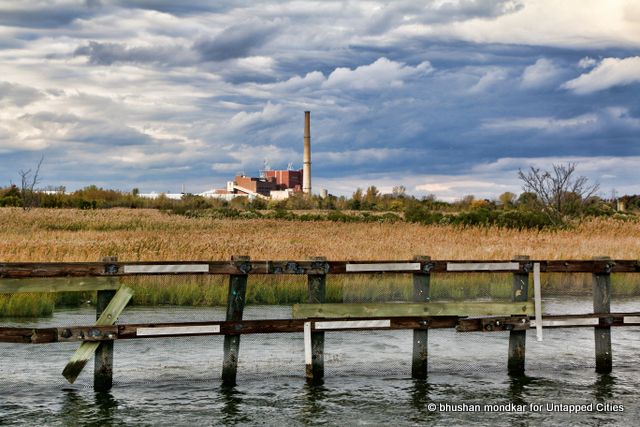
x,y
558,191
29,180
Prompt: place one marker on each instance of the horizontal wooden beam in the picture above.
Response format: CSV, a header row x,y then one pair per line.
x,y
411,309
57,284
24,270
97,333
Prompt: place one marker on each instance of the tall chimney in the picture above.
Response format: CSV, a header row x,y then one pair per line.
x,y
306,172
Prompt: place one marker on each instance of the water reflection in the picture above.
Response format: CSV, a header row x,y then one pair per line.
x,y
231,408
76,408
518,388
106,405
313,408
420,395
603,387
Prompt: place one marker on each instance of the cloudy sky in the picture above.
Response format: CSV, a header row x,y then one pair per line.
x,y
449,97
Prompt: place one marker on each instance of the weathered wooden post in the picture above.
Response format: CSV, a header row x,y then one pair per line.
x,y
103,359
235,307
421,286
317,284
602,305
518,339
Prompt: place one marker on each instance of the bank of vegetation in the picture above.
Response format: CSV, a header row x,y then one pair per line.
x,y
67,235
556,217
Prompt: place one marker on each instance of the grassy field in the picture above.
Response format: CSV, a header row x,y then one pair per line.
x,y
43,235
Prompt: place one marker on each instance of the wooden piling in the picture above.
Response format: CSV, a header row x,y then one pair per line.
x,y
103,358
235,308
518,338
602,332
317,289
421,287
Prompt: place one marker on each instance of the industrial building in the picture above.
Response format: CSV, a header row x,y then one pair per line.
x,y
271,184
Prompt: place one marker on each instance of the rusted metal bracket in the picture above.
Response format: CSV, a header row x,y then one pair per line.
x,y
427,267
494,324
104,333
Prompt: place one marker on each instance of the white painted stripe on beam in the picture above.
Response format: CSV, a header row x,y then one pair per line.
x,y
354,324
393,266
482,266
178,330
568,322
631,319
307,344
537,299
167,268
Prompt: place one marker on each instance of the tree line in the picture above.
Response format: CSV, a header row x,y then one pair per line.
x,y
551,198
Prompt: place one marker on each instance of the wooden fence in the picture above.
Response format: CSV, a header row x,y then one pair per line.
x,y
316,318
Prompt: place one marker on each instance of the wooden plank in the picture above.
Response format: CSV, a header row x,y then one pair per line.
x,y
94,333
87,349
602,334
27,335
178,330
566,322
518,338
301,311
165,268
353,324
317,284
103,359
308,353
56,284
483,266
537,291
235,308
420,348
493,324
383,267
88,269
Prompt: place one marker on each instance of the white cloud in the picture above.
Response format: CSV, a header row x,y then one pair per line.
x,y
547,124
269,114
542,73
567,23
587,62
380,74
489,79
610,72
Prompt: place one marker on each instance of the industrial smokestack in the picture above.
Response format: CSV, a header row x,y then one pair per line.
x,y
306,172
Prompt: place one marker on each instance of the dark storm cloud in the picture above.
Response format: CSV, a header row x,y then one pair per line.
x,y
18,95
44,14
236,41
110,53
182,7
411,12
155,93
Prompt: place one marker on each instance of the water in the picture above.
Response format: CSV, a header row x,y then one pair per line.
x,y
176,381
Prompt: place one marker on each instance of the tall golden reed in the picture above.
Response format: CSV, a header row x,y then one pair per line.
x,y
46,235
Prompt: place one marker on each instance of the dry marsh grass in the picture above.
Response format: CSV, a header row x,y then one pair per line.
x,y
43,235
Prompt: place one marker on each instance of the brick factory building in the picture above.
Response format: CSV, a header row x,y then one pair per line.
x,y
286,178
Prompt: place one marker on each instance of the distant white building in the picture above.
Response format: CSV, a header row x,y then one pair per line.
x,y
154,195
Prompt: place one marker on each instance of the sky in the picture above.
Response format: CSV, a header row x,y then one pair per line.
x,y
444,97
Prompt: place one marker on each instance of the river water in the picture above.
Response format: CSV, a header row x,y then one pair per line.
x,y
176,381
